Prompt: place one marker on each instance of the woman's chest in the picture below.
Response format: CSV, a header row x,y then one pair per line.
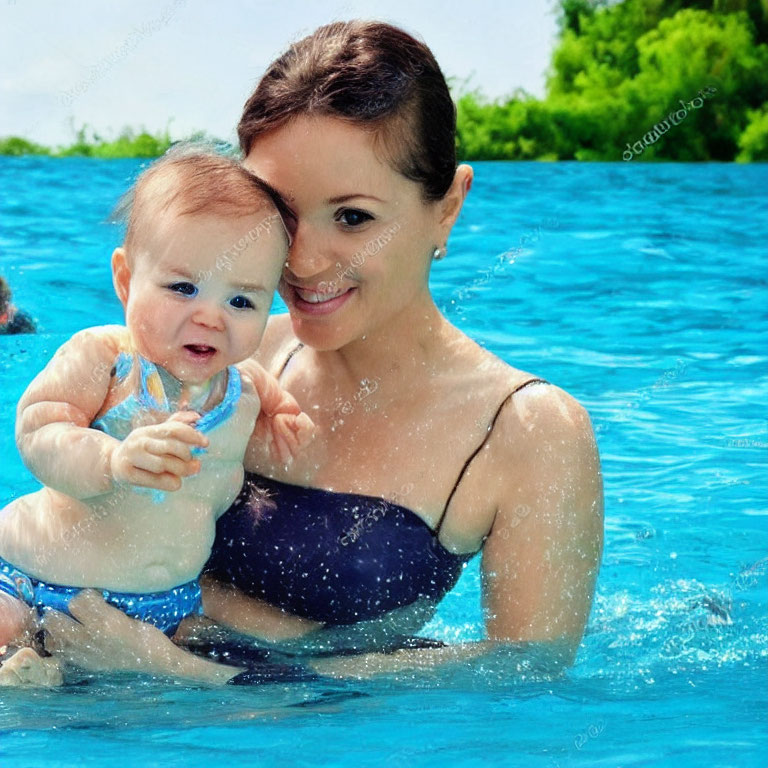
x,y
409,451
389,451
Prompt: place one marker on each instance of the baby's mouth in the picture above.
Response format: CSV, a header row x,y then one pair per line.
x,y
200,351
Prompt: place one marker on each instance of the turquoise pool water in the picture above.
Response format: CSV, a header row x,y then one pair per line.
x,y
640,289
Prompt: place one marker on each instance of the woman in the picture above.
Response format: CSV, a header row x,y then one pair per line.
x,y
428,448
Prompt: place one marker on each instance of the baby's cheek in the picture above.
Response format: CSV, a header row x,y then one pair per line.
x,y
146,326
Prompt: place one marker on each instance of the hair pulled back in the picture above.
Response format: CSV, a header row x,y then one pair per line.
x,y
369,74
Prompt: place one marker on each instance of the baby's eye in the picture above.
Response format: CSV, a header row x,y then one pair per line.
x,y
352,217
186,289
241,302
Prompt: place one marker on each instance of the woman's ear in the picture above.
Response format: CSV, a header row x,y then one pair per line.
x,y
454,197
121,275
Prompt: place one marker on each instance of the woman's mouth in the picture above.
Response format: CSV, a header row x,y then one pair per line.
x,y
319,302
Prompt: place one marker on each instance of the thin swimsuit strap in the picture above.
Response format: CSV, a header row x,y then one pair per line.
x,y
480,447
288,359
474,453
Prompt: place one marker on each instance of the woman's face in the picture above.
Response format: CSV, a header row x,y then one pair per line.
x,y
363,237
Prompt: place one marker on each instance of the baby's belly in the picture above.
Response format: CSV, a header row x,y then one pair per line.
x,y
125,541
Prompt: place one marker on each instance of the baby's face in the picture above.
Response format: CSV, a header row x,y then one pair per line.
x,y
198,289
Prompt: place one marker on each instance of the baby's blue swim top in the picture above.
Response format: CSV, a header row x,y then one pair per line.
x,y
118,421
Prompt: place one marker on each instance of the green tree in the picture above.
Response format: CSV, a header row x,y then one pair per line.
x,y
15,145
619,70
619,73
753,141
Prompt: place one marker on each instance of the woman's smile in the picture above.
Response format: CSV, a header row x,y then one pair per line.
x,y
314,301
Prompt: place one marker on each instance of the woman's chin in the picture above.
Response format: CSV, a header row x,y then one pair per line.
x,y
328,338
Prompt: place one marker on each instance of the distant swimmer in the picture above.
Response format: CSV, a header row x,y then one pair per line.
x,y
12,320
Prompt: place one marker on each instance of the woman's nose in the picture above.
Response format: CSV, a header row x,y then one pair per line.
x,y
308,256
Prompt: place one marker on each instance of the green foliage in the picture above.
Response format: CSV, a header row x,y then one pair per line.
x,y
127,144
687,52
15,145
753,141
618,72
523,128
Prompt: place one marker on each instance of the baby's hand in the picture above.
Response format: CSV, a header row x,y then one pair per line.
x,y
159,455
289,433
281,422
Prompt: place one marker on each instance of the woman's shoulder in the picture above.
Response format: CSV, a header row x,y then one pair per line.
x,y
529,403
540,420
539,436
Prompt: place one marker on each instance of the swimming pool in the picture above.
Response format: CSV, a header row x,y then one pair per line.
x,y
642,290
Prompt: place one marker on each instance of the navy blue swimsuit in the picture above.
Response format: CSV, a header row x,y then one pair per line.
x,y
336,558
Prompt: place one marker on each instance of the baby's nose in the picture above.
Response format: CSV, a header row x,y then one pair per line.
x,y
209,315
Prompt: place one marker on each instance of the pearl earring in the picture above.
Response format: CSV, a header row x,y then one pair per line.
x,y
437,254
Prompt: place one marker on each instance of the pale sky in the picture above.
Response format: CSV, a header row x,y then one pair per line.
x,y
191,62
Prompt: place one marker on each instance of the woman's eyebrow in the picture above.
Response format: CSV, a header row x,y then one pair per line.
x,y
344,198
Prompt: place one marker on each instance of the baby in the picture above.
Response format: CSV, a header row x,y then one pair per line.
x,y
139,432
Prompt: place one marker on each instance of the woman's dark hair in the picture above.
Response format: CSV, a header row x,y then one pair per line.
x,y
369,74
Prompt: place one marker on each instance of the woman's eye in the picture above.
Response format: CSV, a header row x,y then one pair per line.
x,y
186,289
241,302
354,218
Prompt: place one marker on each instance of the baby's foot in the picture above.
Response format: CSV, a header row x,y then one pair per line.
x,y
26,668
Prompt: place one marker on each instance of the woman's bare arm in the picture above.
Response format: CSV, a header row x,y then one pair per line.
x,y
540,563
541,559
491,659
227,605
103,638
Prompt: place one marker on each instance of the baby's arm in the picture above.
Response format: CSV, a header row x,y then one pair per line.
x,y
281,422
54,414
